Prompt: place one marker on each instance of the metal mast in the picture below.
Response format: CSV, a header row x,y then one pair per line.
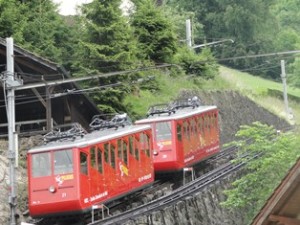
x,y
10,84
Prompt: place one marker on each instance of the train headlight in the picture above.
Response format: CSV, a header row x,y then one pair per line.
x,y
155,152
52,189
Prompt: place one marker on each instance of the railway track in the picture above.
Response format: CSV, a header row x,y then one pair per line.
x,y
180,193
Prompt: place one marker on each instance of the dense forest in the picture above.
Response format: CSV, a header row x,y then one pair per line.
x,y
102,38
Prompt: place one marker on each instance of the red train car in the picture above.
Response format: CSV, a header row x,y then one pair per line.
x,y
68,177
184,134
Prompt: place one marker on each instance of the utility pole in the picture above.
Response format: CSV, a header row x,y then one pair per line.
x,y
285,97
188,30
10,84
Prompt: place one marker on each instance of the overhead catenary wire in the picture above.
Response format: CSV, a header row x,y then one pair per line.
x,y
95,76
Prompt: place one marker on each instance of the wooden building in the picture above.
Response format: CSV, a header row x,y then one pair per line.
x,y
283,207
38,109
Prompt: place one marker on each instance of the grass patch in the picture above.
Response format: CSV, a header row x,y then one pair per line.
x,y
257,85
257,88
169,88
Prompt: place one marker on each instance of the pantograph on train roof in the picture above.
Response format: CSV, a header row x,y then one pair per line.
x,y
65,132
112,120
169,108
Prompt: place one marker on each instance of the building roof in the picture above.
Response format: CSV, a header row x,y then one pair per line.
x,y
283,207
31,105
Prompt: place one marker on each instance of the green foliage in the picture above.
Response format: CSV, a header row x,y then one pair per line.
x,y
272,154
44,31
288,15
12,22
294,76
108,43
156,34
250,23
202,65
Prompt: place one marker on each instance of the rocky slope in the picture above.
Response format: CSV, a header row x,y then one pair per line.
x,y
234,110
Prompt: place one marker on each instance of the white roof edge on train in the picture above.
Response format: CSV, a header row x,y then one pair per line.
x,y
88,139
167,117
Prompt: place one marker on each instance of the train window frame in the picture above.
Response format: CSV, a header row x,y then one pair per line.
x,y
100,160
193,127
185,129
131,145
120,149
93,157
83,159
145,144
163,131
44,167
125,152
63,163
179,131
137,148
106,152
112,156
188,130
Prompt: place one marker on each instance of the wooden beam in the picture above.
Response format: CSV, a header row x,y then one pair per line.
x,y
284,220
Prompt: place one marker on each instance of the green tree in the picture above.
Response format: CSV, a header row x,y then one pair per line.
x,y
107,44
12,22
45,31
250,23
157,40
288,14
271,155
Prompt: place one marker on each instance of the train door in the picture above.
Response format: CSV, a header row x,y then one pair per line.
x,y
84,178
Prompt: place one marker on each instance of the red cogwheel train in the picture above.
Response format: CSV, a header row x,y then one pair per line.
x,y
76,170
184,133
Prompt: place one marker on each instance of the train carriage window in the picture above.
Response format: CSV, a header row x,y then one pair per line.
x,y
202,125
188,131
199,122
131,147
106,152
125,150
120,149
179,135
41,165
112,156
193,127
145,144
163,131
185,129
93,157
63,162
83,163
137,152
99,160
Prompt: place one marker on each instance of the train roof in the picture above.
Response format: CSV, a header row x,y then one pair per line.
x,y
90,138
179,114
